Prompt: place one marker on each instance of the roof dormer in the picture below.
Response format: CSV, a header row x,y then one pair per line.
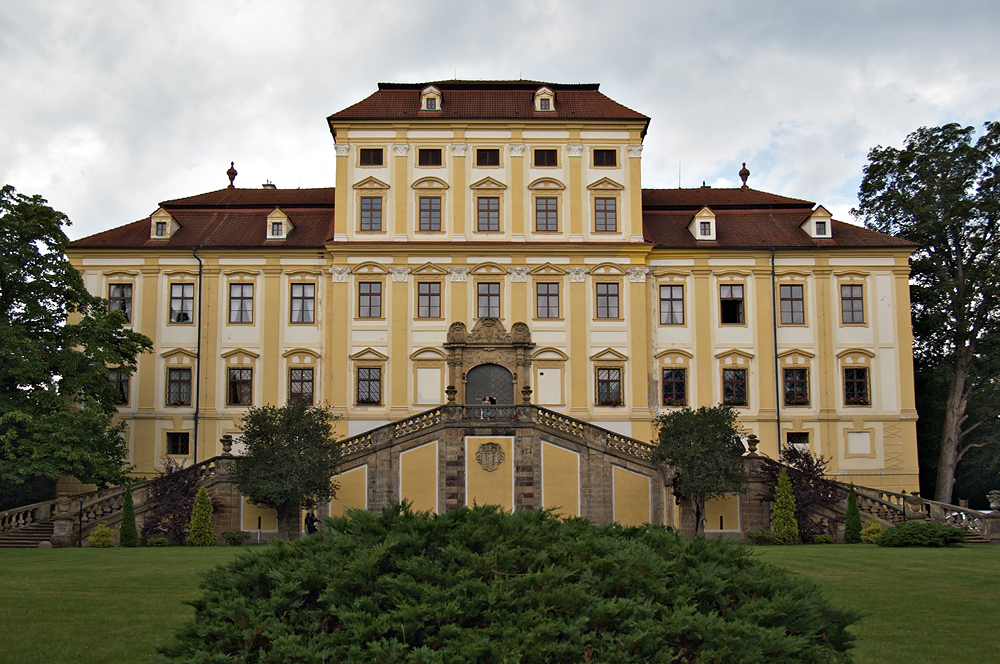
x,y
430,99
162,225
702,226
278,225
545,99
819,225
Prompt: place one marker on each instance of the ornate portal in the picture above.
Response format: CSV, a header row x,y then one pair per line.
x,y
488,343
489,456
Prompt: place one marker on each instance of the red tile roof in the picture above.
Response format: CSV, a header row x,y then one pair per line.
x,y
684,199
488,100
256,197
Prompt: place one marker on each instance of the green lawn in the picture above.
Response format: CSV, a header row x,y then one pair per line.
x,y
116,605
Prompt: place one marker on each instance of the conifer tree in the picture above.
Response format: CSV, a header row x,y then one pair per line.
x,y
128,536
852,520
201,533
784,527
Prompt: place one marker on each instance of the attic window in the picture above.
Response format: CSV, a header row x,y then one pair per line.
x,y
545,100
430,99
818,224
277,229
161,228
820,228
278,225
705,228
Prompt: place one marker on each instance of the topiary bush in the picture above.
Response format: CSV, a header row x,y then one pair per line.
x,y
920,533
482,585
101,537
784,527
852,518
870,533
200,531
128,536
235,537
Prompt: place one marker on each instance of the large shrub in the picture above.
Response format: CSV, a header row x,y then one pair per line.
x,y
481,585
200,529
784,527
920,533
871,532
101,537
128,536
852,518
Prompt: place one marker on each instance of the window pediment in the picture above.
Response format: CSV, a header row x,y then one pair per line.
x,y
608,355
239,356
430,184
547,184
301,355
489,268
607,269
734,356
179,355
605,184
429,269
371,184
370,355
369,268
550,354
428,354
795,352
547,269
677,355
489,183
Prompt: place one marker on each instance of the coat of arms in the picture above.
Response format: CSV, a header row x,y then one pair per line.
x,y
489,456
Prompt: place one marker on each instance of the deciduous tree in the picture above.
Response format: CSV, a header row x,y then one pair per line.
x,y
705,450
291,456
942,191
57,342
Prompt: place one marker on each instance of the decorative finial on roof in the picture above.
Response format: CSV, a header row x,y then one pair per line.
x,y
232,174
744,174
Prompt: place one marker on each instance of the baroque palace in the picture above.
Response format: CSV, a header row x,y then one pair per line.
x,y
491,241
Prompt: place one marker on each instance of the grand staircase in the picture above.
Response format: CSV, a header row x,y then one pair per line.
x,y
27,537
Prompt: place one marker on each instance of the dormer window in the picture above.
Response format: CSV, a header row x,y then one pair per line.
x,y
545,100
702,227
819,224
278,225
430,99
162,225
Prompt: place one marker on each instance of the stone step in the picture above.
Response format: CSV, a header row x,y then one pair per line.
x,y
27,536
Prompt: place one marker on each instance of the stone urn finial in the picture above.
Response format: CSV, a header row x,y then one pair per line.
x,y
994,498
744,174
752,443
227,445
526,394
451,392
232,174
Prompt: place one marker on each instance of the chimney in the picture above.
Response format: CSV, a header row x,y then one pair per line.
x,y
268,185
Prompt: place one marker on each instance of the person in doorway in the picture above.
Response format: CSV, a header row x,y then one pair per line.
x,y
484,412
311,522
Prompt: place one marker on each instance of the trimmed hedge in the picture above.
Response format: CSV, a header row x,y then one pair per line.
x,y
101,537
920,533
481,585
871,532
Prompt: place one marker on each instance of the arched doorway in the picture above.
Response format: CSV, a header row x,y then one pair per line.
x,y
489,380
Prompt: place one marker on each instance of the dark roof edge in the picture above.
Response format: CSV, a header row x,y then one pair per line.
x,y
489,85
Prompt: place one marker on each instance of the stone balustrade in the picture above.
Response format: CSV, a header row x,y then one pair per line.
x,y
26,515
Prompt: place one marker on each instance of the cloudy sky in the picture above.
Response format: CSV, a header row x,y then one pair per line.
x,y
109,107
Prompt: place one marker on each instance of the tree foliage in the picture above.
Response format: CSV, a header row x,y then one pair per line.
x,y
852,519
128,536
813,492
784,527
56,344
200,531
705,450
942,191
483,585
291,455
171,500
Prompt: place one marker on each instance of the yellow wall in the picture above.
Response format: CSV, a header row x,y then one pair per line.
x,y
561,480
268,517
418,477
632,497
489,488
352,491
727,508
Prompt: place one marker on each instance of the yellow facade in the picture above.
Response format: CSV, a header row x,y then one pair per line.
x,y
529,219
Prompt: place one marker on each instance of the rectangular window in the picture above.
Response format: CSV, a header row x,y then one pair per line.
x,y
606,215
300,386
240,303
277,229
605,157
181,303
371,213
488,213
546,158
797,438
369,299
734,387
546,214
177,443
429,300
544,104
121,379
671,305
178,387
607,300
488,300
609,386
371,157
675,387
161,228
303,303
430,213
856,387
240,392
431,104
547,300
429,156
369,385
796,387
120,299
731,304
793,309
705,228
820,228
488,157
852,304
